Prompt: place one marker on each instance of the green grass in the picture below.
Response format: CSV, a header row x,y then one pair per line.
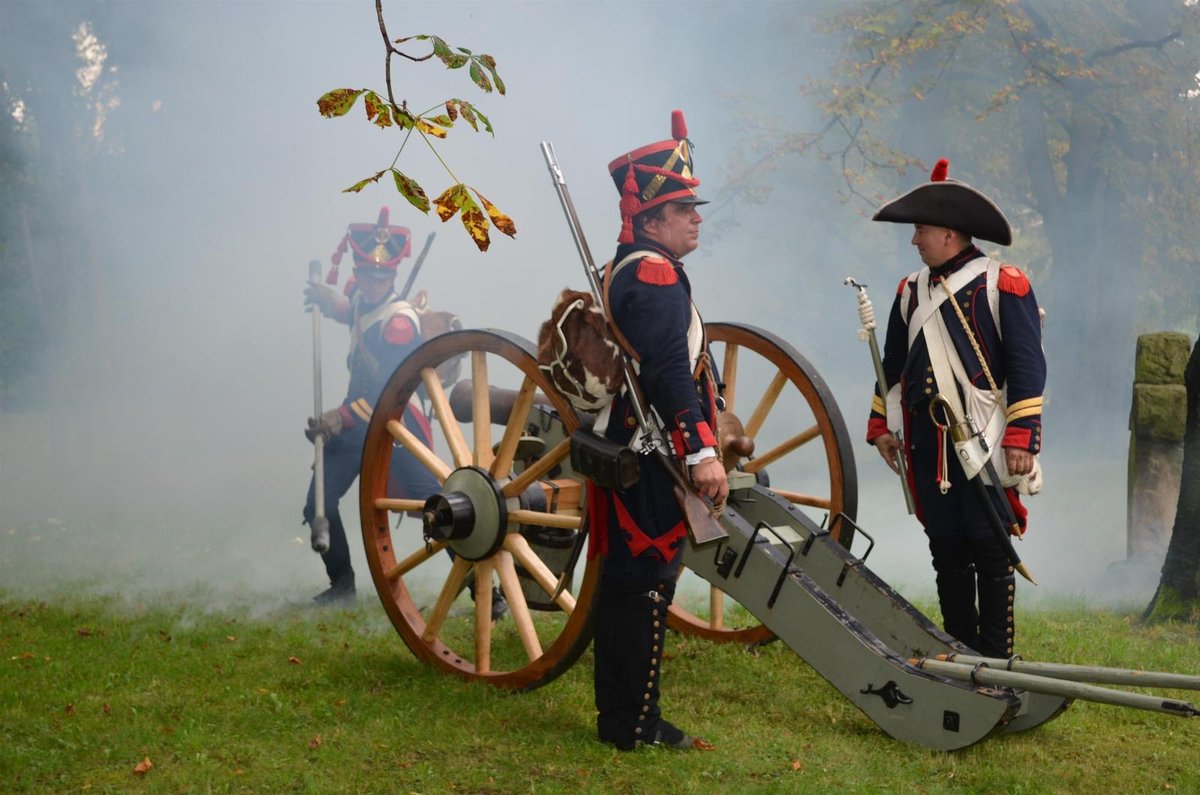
x,y
331,701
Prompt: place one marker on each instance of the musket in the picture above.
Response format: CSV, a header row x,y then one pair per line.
x,y
701,525
866,314
412,275
960,432
319,525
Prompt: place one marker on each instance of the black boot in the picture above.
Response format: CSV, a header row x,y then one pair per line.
x,y
339,594
630,624
997,591
956,588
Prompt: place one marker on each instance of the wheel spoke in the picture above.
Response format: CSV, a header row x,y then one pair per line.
x,y
764,406
412,444
729,373
399,506
805,499
481,410
502,464
783,449
523,516
517,605
537,469
483,616
441,409
453,584
529,560
415,559
716,608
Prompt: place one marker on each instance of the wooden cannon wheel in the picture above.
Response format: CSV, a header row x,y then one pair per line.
x,y
801,448
487,472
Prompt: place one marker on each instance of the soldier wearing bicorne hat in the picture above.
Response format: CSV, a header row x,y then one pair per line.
x,y
640,530
383,331
968,328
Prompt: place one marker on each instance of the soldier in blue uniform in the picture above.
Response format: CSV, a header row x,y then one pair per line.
x,y
640,530
970,325
383,331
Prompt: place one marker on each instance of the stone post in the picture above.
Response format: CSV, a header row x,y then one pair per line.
x,y
1157,420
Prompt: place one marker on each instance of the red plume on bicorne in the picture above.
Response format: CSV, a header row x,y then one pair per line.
x,y
940,171
678,125
383,218
629,205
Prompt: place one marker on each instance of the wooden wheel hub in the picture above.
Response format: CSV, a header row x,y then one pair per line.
x,y
470,514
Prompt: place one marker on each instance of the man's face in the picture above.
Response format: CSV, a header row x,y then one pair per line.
x,y
935,244
678,230
373,283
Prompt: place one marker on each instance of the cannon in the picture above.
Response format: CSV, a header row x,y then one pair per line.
x,y
511,510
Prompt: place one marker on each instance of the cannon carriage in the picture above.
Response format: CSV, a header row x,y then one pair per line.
x,y
511,513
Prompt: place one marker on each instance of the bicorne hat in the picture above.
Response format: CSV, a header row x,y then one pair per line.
x,y
655,174
951,204
379,245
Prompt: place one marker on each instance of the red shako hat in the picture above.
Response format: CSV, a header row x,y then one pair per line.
x,y
655,174
378,245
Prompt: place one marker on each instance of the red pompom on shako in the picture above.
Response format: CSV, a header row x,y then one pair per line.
x,y
655,174
379,245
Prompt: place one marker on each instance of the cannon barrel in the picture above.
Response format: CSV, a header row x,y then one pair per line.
x,y
501,401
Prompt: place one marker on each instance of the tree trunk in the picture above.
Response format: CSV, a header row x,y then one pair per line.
x,y
1178,594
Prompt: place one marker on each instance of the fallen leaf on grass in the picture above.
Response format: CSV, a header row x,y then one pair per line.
x,y
315,742
341,702
143,766
231,638
70,710
83,632
295,661
797,765
106,709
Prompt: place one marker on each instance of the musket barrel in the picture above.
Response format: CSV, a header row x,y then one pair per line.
x,y
1083,673
979,674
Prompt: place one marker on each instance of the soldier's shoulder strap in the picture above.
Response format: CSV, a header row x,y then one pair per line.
x,y
610,272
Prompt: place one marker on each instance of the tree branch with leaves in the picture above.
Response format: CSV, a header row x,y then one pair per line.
x,y
475,211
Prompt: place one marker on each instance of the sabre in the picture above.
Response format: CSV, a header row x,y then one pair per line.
x,y
866,314
319,524
701,525
959,432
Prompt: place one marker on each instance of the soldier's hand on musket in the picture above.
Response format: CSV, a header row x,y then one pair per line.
x,y
710,480
324,296
1020,462
329,425
889,447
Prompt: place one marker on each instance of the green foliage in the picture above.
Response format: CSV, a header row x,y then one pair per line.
x,y
331,701
434,123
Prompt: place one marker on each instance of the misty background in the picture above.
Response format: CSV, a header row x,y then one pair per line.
x,y
157,446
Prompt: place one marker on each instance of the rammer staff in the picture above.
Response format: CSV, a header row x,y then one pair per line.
x,y
319,524
866,313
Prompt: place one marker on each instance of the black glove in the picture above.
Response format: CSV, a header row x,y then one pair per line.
x,y
327,427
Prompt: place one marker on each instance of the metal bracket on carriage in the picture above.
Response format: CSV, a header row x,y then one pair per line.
x,y
890,693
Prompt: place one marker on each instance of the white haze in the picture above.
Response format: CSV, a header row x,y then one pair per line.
x,y
172,458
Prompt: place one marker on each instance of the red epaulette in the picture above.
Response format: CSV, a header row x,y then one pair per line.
x,y
900,286
399,331
656,270
1013,281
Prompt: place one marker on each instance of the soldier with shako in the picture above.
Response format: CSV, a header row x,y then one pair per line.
x,y
384,330
640,530
964,339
